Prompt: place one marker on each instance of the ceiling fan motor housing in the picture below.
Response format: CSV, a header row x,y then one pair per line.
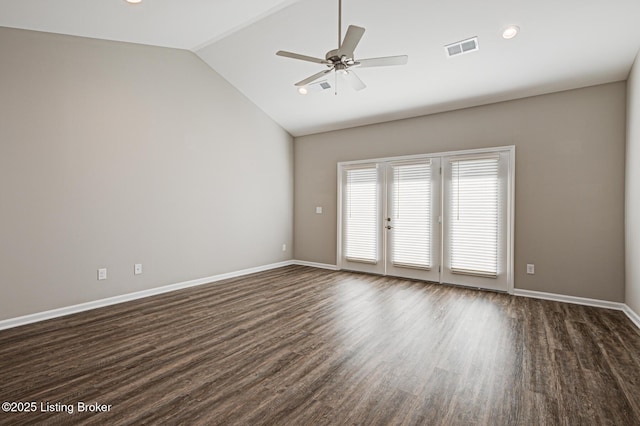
x,y
333,56
337,60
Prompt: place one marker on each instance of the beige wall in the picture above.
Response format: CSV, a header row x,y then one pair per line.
x,y
113,154
632,190
569,181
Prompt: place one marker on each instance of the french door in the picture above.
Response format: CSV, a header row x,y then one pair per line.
x,y
445,218
411,229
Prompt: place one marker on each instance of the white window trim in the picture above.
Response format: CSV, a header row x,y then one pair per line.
x,y
511,149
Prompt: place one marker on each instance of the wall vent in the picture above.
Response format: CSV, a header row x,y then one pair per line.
x,y
461,47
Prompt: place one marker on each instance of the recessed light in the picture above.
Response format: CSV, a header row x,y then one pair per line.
x,y
510,32
303,90
134,1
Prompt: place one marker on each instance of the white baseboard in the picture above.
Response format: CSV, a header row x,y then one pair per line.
x,y
569,299
634,317
55,313
315,265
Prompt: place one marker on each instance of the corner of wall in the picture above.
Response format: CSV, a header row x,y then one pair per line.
x,y
632,190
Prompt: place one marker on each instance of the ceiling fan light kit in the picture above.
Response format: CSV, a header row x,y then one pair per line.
x,y
316,86
342,59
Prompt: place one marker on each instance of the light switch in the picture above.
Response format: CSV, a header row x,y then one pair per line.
x,y
319,210
102,274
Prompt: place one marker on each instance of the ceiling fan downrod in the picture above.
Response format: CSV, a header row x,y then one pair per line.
x,y
339,23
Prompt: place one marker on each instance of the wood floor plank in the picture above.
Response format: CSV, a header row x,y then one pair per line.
x,y
304,346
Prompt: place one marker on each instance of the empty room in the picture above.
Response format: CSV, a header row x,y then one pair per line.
x,y
306,212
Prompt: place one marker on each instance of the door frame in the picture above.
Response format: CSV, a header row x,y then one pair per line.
x,y
510,149
378,266
431,274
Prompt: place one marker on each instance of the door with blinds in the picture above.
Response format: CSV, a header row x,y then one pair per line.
x,y
475,220
412,226
361,218
390,218
446,218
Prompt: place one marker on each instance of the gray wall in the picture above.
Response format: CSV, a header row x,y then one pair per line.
x,y
113,154
632,189
569,181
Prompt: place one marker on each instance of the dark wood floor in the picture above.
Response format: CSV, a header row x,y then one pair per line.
x,y
302,346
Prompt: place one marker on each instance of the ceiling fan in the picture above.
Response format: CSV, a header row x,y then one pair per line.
x,y
342,59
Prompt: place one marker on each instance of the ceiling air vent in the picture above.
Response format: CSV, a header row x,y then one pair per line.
x,y
460,47
319,86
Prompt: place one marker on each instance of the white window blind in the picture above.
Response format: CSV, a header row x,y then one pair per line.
x,y
361,215
474,217
411,215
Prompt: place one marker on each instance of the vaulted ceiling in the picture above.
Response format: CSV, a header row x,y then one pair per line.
x,y
561,45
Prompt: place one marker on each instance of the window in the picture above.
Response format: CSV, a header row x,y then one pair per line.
x,y
445,217
361,215
473,216
411,215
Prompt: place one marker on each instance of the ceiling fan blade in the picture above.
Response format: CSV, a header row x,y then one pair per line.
x,y
301,57
313,77
382,62
351,40
353,80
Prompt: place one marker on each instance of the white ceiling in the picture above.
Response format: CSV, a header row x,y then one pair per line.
x,y
183,24
562,45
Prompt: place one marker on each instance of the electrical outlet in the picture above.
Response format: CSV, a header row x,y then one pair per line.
x,y
318,210
284,247
531,268
137,269
102,274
